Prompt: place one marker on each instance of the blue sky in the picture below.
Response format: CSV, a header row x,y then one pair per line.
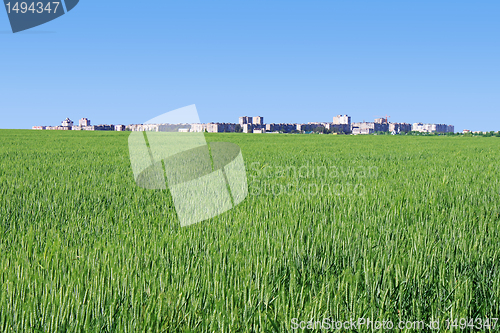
x,y
125,62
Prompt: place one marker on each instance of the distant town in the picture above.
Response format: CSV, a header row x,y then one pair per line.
x,y
340,124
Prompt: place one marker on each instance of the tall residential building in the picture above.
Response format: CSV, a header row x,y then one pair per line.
x,y
247,128
249,124
67,123
381,124
342,120
84,122
259,121
245,120
382,121
418,127
342,123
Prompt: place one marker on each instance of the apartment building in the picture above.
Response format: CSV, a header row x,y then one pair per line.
x,y
399,128
258,121
342,123
282,127
247,128
432,128
84,122
245,120
68,123
220,127
251,124
147,128
214,127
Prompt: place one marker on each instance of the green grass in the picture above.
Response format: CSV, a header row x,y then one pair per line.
x,y
83,249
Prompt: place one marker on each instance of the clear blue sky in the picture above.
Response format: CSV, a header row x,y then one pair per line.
x,y
125,62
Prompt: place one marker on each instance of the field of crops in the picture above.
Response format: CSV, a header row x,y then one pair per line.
x,y
342,227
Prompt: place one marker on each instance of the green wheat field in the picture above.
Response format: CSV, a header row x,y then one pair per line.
x,y
341,227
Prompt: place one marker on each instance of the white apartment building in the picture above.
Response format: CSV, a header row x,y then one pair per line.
x,y
67,123
84,122
258,121
432,128
341,120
